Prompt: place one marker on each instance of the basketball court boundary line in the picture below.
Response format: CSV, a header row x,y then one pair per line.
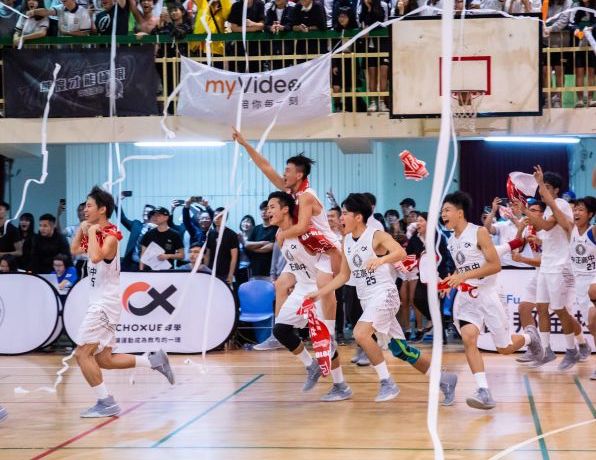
x,y
87,432
582,390
206,411
536,419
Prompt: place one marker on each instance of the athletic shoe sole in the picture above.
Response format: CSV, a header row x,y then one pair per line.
x,y
474,403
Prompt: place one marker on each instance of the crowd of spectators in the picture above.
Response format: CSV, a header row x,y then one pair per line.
x,y
276,17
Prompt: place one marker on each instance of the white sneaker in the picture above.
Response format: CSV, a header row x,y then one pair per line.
x,y
270,344
388,390
556,102
383,107
372,107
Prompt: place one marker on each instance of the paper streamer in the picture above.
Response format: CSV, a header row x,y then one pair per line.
x,y
58,381
14,10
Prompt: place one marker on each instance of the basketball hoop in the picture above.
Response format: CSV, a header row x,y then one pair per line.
x,y
464,108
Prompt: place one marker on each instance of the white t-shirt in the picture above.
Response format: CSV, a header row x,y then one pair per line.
x,y
73,21
28,26
555,243
505,232
374,223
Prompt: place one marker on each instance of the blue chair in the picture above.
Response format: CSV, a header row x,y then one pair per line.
x,y
256,306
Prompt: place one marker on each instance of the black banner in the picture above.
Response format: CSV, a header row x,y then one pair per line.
x,y
82,87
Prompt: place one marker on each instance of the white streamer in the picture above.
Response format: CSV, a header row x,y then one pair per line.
x,y
590,37
58,381
14,10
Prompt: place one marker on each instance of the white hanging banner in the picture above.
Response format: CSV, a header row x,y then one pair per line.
x,y
299,93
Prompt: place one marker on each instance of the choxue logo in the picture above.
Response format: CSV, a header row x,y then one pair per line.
x,y
160,299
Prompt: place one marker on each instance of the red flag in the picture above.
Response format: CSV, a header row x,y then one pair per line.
x,y
319,336
414,168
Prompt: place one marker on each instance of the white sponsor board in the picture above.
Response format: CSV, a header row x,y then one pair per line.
x,y
154,317
512,287
296,93
29,309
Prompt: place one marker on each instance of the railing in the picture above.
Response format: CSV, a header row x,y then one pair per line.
x,y
355,82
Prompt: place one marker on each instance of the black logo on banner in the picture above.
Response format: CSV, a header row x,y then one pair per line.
x,y
160,299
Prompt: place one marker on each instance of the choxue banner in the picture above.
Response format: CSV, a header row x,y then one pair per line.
x,y
82,87
295,94
153,315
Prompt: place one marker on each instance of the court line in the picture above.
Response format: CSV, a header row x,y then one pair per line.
x,y
581,389
536,418
206,411
85,433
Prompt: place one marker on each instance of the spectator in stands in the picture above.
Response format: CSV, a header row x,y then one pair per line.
x,y
191,9
407,205
31,28
26,232
198,226
194,252
176,23
278,20
70,231
556,34
46,244
584,59
215,14
310,16
247,226
9,235
64,271
104,20
255,22
8,264
333,217
8,19
147,19
166,238
278,262
227,258
259,245
73,19
137,229
523,6
180,228
378,67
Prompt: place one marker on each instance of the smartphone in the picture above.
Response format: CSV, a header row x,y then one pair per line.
x,y
196,199
127,193
504,201
179,202
487,209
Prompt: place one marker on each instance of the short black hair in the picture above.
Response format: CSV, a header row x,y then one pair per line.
x,y
461,200
48,217
553,179
423,214
589,202
285,199
5,205
64,258
220,209
102,199
82,205
303,163
336,209
371,198
358,203
392,212
197,244
408,202
534,202
263,205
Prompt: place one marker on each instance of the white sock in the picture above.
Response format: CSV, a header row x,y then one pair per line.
x,y
382,371
305,357
330,323
545,339
142,361
527,339
337,375
580,338
481,380
570,341
101,392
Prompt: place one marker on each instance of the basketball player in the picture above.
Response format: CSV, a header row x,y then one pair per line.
x,y
477,262
555,287
99,239
368,256
304,265
310,225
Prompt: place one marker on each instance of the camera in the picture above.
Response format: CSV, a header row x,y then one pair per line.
x,y
127,193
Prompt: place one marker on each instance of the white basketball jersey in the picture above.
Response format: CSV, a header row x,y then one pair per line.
x,y
582,252
104,283
369,283
467,255
301,264
321,223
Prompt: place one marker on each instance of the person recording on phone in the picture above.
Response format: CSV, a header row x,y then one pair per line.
x,y
198,225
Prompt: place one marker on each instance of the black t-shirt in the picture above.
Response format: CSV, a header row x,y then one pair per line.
x,y
260,264
255,13
169,240
229,241
104,20
44,249
8,239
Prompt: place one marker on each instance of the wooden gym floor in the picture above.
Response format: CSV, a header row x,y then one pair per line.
x,y
249,405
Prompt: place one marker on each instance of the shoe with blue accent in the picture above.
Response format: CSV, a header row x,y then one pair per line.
x,y
387,390
3,414
106,407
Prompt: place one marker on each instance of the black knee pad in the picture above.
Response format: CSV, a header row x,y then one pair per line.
x,y
286,336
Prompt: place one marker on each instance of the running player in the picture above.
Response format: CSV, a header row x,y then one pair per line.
x,y
368,256
304,265
477,262
99,239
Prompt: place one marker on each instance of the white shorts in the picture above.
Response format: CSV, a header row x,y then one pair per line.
x,y
484,310
408,276
99,326
287,312
582,298
530,292
556,289
381,311
323,264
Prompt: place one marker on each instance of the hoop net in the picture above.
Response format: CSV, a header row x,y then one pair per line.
x,y
464,107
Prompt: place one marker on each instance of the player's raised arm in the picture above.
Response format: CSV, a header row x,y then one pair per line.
x,y
260,161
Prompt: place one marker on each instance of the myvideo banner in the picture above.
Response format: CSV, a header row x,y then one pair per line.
x,y
295,94
82,85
